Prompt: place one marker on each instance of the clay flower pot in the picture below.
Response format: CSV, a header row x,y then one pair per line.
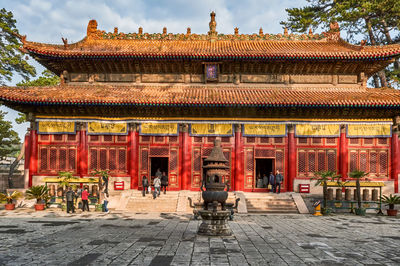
x,y
10,206
39,206
391,212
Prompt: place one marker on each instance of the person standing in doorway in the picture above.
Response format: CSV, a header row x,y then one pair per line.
x,y
85,199
266,180
279,180
272,181
145,184
158,173
70,195
164,182
157,184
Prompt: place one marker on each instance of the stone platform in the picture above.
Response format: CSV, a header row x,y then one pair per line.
x,y
55,238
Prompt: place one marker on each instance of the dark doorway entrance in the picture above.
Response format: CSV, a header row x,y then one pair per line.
x,y
263,166
159,163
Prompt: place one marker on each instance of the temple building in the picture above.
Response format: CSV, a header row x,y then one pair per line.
x,y
133,103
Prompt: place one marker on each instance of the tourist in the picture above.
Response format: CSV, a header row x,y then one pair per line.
x,y
279,180
266,180
158,173
70,195
145,184
78,199
164,182
85,199
272,182
157,184
105,200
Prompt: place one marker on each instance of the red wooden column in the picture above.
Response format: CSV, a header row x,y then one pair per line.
x,y
292,149
238,184
133,158
27,144
83,151
185,144
343,153
395,152
33,160
180,159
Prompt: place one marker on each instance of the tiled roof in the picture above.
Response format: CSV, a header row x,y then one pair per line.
x,y
212,46
202,95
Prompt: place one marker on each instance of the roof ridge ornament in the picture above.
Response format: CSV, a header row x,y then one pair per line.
x,y
213,26
334,32
92,30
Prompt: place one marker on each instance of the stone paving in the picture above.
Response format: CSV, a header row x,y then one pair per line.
x,y
56,238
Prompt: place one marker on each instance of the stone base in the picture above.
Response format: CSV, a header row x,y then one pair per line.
x,y
214,223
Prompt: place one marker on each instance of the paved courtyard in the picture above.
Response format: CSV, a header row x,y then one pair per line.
x,y
56,238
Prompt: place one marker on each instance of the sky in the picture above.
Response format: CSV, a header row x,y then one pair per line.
x,y
49,20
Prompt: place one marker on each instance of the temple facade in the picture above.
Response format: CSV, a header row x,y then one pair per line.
x,y
133,103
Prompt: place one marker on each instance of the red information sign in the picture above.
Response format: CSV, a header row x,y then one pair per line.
x,y
304,188
119,185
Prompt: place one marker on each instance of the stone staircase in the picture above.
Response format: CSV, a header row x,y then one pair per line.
x,y
270,203
173,201
165,203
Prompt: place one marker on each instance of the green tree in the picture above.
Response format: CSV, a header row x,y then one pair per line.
x,y
323,177
375,20
11,58
9,140
357,175
47,78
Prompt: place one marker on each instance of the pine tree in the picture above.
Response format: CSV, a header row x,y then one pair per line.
x,y
11,58
375,20
9,140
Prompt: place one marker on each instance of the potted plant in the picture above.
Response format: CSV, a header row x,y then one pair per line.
x,y
322,177
391,200
10,197
39,193
104,177
357,175
64,178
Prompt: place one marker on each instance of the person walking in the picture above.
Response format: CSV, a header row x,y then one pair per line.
x,y
272,181
85,199
157,184
279,180
164,182
266,180
105,201
145,184
70,195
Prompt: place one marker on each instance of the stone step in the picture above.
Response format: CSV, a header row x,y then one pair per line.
x,y
272,211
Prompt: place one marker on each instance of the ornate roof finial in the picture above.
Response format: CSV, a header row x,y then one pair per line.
x,y
334,32
91,28
363,42
310,33
236,31
164,31
188,31
115,30
65,41
213,26
285,32
261,32
140,30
